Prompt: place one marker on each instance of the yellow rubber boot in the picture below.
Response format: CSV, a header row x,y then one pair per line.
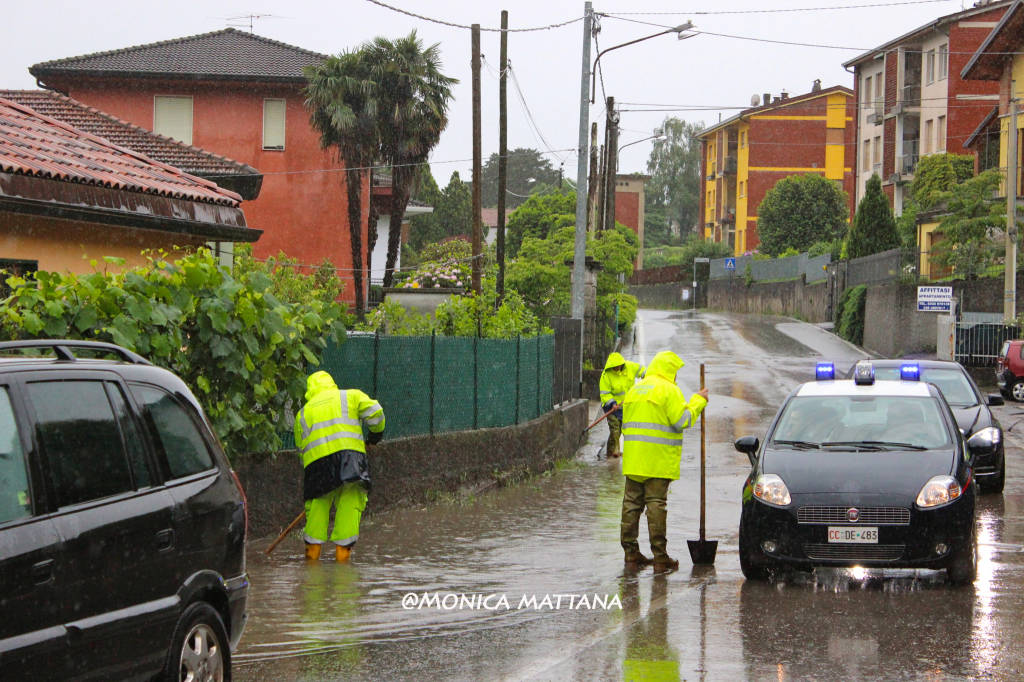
x,y
312,551
342,553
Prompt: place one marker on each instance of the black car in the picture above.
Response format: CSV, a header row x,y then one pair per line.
x,y
122,526
860,473
971,409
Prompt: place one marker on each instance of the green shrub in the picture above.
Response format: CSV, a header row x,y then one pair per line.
x,y
851,315
242,341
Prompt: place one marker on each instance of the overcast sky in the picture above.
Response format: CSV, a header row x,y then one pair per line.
x,y
717,72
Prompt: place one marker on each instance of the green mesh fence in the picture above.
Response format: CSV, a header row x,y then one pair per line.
x,y
440,384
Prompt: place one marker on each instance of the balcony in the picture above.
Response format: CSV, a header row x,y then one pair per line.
x,y
910,97
877,116
729,168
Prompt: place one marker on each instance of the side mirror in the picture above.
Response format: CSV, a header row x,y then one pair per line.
x,y
749,445
995,399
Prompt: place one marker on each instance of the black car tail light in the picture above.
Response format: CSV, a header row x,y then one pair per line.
x,y
245,503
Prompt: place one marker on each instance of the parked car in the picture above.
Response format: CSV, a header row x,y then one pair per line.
x,y
970,407
860,473
1010,369
122,526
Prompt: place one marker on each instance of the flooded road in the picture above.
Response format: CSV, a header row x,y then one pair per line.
x,y
527,582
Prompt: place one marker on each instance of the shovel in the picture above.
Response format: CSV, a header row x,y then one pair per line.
x,y
702,551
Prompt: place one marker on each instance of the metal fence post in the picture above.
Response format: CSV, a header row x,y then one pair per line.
x,y
476,382
517,381
433,374
376,352
537,341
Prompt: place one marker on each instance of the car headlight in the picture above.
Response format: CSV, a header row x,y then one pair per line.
x,y
939,490
772,489
986,438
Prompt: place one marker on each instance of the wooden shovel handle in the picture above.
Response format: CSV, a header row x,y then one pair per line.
x,y
275,543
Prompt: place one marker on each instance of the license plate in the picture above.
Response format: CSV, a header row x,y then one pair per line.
x,y
866,534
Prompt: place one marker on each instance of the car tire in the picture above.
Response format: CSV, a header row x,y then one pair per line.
x,y
1017,390
199,648
963,568
751,571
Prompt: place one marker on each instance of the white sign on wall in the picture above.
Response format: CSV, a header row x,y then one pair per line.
x,y
934,299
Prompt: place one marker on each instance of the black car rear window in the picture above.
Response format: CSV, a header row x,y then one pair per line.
x,y
14,500
955,387
174,430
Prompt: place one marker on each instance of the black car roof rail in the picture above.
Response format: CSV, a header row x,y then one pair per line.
x,y
62,348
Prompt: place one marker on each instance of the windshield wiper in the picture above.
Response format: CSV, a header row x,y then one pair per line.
x,y
896,444
861,444
799,444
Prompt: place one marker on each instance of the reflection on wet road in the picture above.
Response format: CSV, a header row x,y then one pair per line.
x,y
527,582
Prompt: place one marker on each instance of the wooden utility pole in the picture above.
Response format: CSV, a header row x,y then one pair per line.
x,y
477,228
592,183
1010,269
608,184
502,153
613,168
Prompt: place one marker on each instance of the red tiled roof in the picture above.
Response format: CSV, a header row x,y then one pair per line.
x,y
83,117
224,54
37,145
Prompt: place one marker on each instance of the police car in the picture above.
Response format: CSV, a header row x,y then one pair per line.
x,y
860,473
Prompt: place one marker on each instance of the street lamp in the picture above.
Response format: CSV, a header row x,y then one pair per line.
x,y
678,30
658,135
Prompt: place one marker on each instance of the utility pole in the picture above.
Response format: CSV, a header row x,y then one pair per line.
x,y
502,153
477,228
1010,269
592,183
612,166
580,245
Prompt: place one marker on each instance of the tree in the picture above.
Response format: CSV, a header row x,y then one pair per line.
x,y
412,101
425,228
934,179
538,216
526,169
874,228
973,226
674,166
342,99
799,211
455,209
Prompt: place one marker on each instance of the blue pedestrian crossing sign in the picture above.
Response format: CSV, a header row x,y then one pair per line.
x,y
730,263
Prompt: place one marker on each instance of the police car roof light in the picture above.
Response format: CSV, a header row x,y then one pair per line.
x,y
910,372
864,373
825,371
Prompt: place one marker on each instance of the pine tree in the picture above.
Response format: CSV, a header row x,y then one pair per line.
x,y
874,228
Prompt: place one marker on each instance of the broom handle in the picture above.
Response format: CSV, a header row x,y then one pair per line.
x,y
285,532
702,459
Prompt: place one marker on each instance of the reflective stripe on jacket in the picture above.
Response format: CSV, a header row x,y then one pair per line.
x,y
331,420
655,414
613,385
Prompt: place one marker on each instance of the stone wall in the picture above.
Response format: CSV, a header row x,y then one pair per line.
x,y
411,471
662,296
792,298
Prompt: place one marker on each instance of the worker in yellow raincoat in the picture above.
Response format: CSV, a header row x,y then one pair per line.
x,y
618,376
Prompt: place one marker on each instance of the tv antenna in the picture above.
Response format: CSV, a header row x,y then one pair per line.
x,y
243,20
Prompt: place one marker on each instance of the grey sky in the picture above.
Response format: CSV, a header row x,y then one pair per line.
x,y
708,71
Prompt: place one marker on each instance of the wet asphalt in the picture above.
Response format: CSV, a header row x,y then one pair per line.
x,y
527,582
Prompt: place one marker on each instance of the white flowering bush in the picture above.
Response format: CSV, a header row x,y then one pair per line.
x,y
446,265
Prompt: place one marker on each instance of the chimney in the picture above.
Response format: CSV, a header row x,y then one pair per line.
x,y
784,95
766,98
817,85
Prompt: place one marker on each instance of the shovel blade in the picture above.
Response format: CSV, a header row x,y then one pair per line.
x,y
702,552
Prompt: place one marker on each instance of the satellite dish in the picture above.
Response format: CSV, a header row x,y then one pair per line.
x,y
755,99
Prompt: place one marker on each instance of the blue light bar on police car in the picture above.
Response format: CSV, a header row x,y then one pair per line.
x,y
825,371
864,373
910,372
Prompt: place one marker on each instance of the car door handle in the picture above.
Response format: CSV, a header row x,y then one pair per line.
x,y
165,540
42,572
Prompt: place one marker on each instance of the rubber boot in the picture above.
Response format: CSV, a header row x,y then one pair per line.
x,y
665,564
342,553
635,560
312,551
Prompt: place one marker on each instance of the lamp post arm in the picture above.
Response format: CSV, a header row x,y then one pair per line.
x,y
593,71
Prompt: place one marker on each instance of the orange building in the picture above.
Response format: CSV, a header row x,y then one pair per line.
x,y
629,207
745,155
238,95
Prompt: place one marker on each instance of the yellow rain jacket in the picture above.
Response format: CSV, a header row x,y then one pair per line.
x,y
329,423
655,414
614,385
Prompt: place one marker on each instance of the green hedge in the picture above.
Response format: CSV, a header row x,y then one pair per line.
x,y
851,314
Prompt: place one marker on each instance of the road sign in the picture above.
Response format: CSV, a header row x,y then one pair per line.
x,y
730,263
934,299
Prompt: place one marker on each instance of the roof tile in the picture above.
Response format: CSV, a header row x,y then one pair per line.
x,y
34,144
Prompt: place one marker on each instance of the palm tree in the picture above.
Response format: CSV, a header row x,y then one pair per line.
x,y
412,99
341,96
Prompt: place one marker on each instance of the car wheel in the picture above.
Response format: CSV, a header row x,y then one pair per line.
x,y
751,571
963,568
199,649
1017,390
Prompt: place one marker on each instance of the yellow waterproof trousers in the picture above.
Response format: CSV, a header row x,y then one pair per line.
x,y
349,501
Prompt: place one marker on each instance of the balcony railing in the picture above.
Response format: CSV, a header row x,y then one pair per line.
x,y
911,96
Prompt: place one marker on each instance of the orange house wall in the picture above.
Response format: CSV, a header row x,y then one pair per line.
x,y
302,206
627,209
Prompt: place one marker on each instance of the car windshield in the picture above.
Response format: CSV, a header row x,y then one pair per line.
x,y
953,383
862,422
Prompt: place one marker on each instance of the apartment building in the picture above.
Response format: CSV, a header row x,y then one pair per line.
x,y
912,100
744,156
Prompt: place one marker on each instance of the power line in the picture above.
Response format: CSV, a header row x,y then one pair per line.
x,y
467,26
529,114
778,11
